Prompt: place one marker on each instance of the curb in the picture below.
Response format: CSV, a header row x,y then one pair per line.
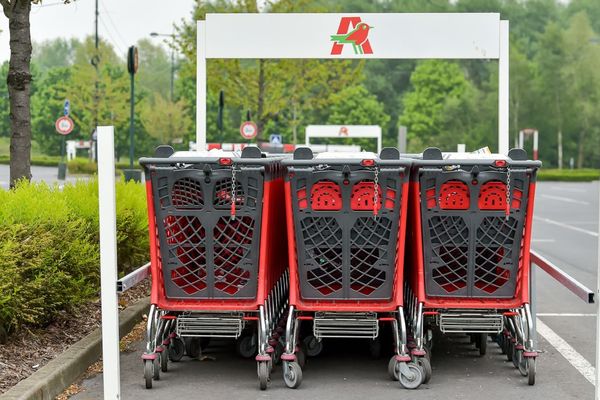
x,y
58,374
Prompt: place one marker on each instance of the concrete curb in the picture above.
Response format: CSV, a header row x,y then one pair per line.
x,y
58,374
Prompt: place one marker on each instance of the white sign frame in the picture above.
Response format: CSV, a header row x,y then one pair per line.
x,y
344,131
432,35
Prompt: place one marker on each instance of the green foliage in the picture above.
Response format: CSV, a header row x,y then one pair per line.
x,y
4,104
354,105
49,254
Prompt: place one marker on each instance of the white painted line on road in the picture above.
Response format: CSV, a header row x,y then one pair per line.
x,y
569,353
574,228
565,199
564,315
543,240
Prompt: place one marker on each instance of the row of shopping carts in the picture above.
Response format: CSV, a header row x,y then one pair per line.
x,y
221,266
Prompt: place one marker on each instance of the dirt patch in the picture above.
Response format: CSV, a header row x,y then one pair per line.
x,y
30,349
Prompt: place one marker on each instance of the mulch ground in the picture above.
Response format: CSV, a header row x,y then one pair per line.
x,y
30,349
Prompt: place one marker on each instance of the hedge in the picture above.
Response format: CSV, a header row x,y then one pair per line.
x,y
49,251
570,175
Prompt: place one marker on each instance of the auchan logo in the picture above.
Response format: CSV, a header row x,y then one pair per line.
x,y
354,32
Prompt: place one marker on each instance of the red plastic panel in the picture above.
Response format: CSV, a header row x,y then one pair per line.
x,y
363,196
517,195
492,196
431,200
302,202
326,196
454,195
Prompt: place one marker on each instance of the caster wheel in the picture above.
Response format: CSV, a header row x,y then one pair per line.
x,y
292,374
515,356
413,379
425,365
312,346
246,346
164,361
503,344
375,349
521,363
176,350
148,372
393,368
263,375
531,371
193,348
156,369
509,350
481,341
301,358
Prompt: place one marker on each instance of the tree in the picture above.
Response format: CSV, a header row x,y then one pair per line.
x,y
165,120
4,103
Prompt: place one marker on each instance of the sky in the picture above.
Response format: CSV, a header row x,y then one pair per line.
x,y
122,22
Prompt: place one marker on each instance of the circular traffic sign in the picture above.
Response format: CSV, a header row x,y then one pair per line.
x,y
64,125
248,130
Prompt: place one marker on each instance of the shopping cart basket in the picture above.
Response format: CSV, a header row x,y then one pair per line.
x,y
346,229
219,268
468,272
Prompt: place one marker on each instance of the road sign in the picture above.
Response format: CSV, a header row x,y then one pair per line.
x,y
64,125
248,130
67,108
275,139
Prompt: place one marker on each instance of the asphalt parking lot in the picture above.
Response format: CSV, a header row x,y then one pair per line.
x,y
565,231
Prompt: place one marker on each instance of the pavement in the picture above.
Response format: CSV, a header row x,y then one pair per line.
x,y
39,174
565,232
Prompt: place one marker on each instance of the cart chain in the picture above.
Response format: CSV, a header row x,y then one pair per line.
x,y
507,192
376,193
233,199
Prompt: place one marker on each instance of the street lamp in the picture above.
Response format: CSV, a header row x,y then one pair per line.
x,y
172,36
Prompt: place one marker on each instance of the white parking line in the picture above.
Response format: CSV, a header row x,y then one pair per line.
x,y
569,353
564,315
565,199
574,228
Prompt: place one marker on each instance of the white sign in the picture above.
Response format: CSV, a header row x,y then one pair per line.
x,y
349,35
275,139
248,130
64,125
344,131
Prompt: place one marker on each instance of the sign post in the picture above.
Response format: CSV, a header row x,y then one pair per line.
x,y
64,125
132,67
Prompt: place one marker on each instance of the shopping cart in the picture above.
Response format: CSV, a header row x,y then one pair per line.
x,y
346,229
469,252
219,268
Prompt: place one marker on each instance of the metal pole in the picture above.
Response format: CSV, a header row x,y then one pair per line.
x,y
597,386
402,132
108,262
173,71
96,60
131,122
503,87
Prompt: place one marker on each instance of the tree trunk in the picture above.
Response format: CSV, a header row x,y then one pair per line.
x,y
260,118
580,149
19,82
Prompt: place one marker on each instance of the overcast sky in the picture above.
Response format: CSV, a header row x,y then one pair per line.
x,y
122,22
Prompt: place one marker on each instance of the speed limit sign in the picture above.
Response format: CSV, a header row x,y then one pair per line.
x,y
248,130
64,125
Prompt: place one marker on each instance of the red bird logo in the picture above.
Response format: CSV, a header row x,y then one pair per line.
x,y
358,37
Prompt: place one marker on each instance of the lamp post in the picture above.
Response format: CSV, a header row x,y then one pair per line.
x,y
172,36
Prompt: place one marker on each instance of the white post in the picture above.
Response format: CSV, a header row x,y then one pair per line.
x,y
108,262
597,299
461,148
535,145
521,140
503,89
201,87
379,144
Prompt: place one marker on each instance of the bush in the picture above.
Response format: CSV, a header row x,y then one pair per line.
x,y
49,251
572,175
43,161
87,167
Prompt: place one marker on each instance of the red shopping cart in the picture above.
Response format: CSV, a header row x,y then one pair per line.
x,y
217,263
469,252
346,229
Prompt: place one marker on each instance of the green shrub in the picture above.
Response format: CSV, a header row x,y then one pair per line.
x,y
49,251
43,161
572,175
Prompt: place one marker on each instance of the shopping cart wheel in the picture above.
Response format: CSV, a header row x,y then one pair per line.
x,y
263,375
509,350
413,378
164,361
515,357
156,368
292,374
481,340
148,371
313,346
531,371
176,349
425,365
393,368
375,348
246,346
521,363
